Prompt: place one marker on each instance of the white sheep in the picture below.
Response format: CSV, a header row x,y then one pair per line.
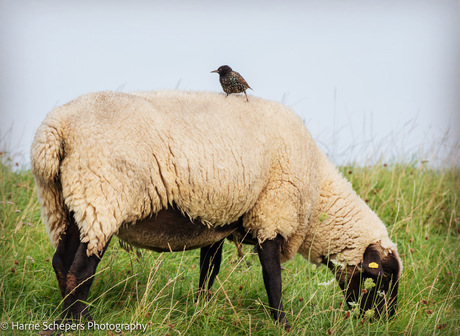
x,y
174,170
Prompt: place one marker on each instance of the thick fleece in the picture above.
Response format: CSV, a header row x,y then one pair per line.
x,y
343,226
113,158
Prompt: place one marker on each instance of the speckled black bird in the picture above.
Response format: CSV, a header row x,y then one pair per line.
x,y
232,81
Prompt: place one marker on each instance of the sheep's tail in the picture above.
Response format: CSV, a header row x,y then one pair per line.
x,y
47,152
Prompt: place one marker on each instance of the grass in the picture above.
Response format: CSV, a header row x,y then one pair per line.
x,y
419,204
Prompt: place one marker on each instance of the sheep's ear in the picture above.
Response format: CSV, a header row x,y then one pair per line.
x,y
372,262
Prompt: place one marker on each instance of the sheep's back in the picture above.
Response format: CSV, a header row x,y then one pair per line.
x,y
128,156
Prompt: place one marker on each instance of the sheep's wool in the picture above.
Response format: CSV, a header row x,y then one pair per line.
x,y
112,158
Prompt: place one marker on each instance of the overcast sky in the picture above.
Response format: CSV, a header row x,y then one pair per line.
x,y
369,78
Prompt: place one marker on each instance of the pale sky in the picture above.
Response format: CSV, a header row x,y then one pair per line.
x,y
368,77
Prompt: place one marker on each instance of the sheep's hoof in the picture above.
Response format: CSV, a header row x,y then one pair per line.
x,y
284,322
59,326
202,294
47,332
58,331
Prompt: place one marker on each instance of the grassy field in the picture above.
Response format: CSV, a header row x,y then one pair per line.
x,y
419,204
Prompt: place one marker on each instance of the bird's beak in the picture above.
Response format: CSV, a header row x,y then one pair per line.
x,y
214,71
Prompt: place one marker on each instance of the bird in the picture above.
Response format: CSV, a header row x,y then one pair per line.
x,y
232,81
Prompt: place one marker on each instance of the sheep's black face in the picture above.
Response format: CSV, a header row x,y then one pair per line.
x,y
373,285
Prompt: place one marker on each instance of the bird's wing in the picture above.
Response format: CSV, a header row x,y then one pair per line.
x,y
242,80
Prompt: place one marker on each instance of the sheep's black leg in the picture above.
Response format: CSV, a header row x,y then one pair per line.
x,y
78,282
65,253
210,259
269,255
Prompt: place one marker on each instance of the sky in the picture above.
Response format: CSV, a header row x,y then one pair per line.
x,y
371,79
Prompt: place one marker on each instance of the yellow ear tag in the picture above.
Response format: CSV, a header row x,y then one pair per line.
x,y
373,265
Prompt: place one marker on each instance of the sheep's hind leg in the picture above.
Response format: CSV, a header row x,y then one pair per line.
x,y
78,282
210,259
65,253
269,255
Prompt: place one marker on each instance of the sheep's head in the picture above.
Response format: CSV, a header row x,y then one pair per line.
x,y
374,283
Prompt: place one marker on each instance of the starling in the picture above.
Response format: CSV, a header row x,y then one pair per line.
x,y
232,81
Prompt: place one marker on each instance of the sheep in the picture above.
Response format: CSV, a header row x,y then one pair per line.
x,y
172,171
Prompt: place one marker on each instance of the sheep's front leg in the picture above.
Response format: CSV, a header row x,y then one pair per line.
x,y
269,255
210,259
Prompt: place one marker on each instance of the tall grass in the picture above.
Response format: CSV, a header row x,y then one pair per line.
x,y
419,204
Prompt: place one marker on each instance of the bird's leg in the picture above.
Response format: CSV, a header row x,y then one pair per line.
x,y
246,96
